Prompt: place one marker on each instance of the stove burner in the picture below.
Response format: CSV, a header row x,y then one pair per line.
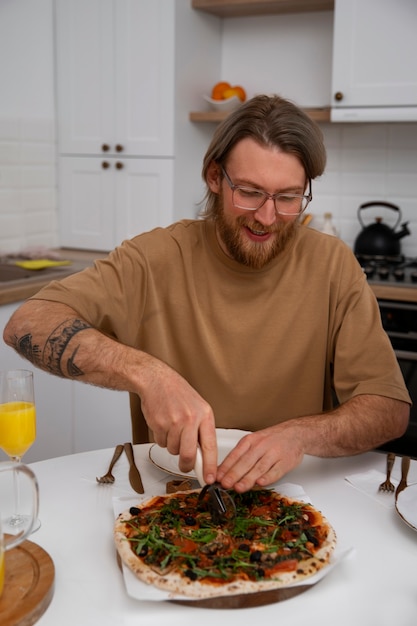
x,y
389,269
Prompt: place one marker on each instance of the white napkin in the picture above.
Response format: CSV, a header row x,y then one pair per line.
x,y
368,482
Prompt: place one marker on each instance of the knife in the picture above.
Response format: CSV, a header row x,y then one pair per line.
x,y
134,475
405,466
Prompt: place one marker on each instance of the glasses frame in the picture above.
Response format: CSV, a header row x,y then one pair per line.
x,y
268,196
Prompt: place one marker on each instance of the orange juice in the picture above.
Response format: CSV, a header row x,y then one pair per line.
x,y
17,427
1,569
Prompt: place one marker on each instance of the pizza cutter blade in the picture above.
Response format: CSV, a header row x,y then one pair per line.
x,y
220,503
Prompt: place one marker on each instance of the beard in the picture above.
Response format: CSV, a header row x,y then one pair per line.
x,y
251,253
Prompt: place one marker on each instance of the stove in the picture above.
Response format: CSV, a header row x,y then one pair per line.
x,y
388,270
399,319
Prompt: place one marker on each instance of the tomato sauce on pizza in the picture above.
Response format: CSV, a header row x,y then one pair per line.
x,y
270,541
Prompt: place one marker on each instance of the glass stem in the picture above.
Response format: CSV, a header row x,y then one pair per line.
x,y
16,459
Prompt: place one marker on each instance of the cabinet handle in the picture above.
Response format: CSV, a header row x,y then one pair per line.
x,y
338,96
119,148
105,147
105,165
119,166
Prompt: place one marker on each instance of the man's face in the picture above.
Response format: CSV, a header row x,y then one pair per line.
x,y
254,238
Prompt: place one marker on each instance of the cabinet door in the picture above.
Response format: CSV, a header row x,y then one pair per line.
x,y
115,76
86,202
144,77
374,53
84,73
144,196
105,200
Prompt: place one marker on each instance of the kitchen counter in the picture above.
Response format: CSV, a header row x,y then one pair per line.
x,y
23,288
18,290
394,292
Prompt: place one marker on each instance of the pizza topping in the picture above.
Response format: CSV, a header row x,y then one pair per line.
x,y
267,536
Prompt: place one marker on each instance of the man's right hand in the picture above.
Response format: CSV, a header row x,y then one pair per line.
x,y
178,416
55,338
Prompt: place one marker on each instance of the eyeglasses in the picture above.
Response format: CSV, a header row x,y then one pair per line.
x,y
252,199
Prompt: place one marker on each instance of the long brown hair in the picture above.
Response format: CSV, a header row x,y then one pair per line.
x,y
271,121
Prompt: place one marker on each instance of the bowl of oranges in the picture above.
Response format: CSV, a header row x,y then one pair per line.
x,y
225,97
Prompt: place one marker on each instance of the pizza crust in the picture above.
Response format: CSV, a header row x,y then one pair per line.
x,y
178,584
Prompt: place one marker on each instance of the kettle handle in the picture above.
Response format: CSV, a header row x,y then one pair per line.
x,y
388,205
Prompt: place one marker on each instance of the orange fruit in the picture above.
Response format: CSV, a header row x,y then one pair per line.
x,y
235,91
240,92
218,90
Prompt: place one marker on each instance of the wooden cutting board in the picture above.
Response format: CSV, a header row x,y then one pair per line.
x,y
28,585
246,600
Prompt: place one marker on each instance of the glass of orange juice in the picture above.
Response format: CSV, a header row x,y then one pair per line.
x,y
17,423
9,541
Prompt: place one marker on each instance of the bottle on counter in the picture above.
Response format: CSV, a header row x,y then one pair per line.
x,y
328,227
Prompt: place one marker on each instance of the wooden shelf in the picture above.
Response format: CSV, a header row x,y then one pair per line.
x,y
318,115
239,8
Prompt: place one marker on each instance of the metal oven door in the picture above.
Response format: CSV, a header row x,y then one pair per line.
x,y
407,444
400,323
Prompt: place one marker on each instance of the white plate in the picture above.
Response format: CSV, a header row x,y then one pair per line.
x,y
406,506
227,438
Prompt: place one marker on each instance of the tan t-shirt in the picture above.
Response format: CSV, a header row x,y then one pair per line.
x,y
261,346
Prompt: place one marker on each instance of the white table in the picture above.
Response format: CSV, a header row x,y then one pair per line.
x,y
376,585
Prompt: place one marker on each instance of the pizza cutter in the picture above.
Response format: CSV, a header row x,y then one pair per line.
x,y
219,501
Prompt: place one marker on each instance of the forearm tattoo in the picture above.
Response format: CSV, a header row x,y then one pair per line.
x,y
51,357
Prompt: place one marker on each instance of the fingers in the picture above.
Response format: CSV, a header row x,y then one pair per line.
x,y
205,437
208,445
258,459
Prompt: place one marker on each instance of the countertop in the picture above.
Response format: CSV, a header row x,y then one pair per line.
x,y
19,290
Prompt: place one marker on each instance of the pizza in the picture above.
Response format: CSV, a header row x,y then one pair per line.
x,y
173,542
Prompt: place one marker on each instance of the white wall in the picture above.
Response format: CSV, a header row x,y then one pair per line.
x,y
28,210
368,162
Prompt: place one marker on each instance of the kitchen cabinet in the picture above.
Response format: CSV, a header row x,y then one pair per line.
x,y
101,417
115,119
105,200
374,60
124,141
111,99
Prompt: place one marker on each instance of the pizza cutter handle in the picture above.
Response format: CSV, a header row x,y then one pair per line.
x,y
198,467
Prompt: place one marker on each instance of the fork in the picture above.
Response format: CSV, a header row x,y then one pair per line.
x,y
108,478
387,485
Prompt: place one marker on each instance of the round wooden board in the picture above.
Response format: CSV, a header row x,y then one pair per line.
x,y
28,585
246,600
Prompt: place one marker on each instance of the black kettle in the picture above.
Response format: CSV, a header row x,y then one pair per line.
x,y
378,239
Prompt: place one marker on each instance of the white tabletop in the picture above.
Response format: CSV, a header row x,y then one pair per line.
x,y
376,584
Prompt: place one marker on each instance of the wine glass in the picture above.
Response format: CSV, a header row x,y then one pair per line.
x,y
17,429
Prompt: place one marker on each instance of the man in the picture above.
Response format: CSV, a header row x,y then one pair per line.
x,y
245,319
